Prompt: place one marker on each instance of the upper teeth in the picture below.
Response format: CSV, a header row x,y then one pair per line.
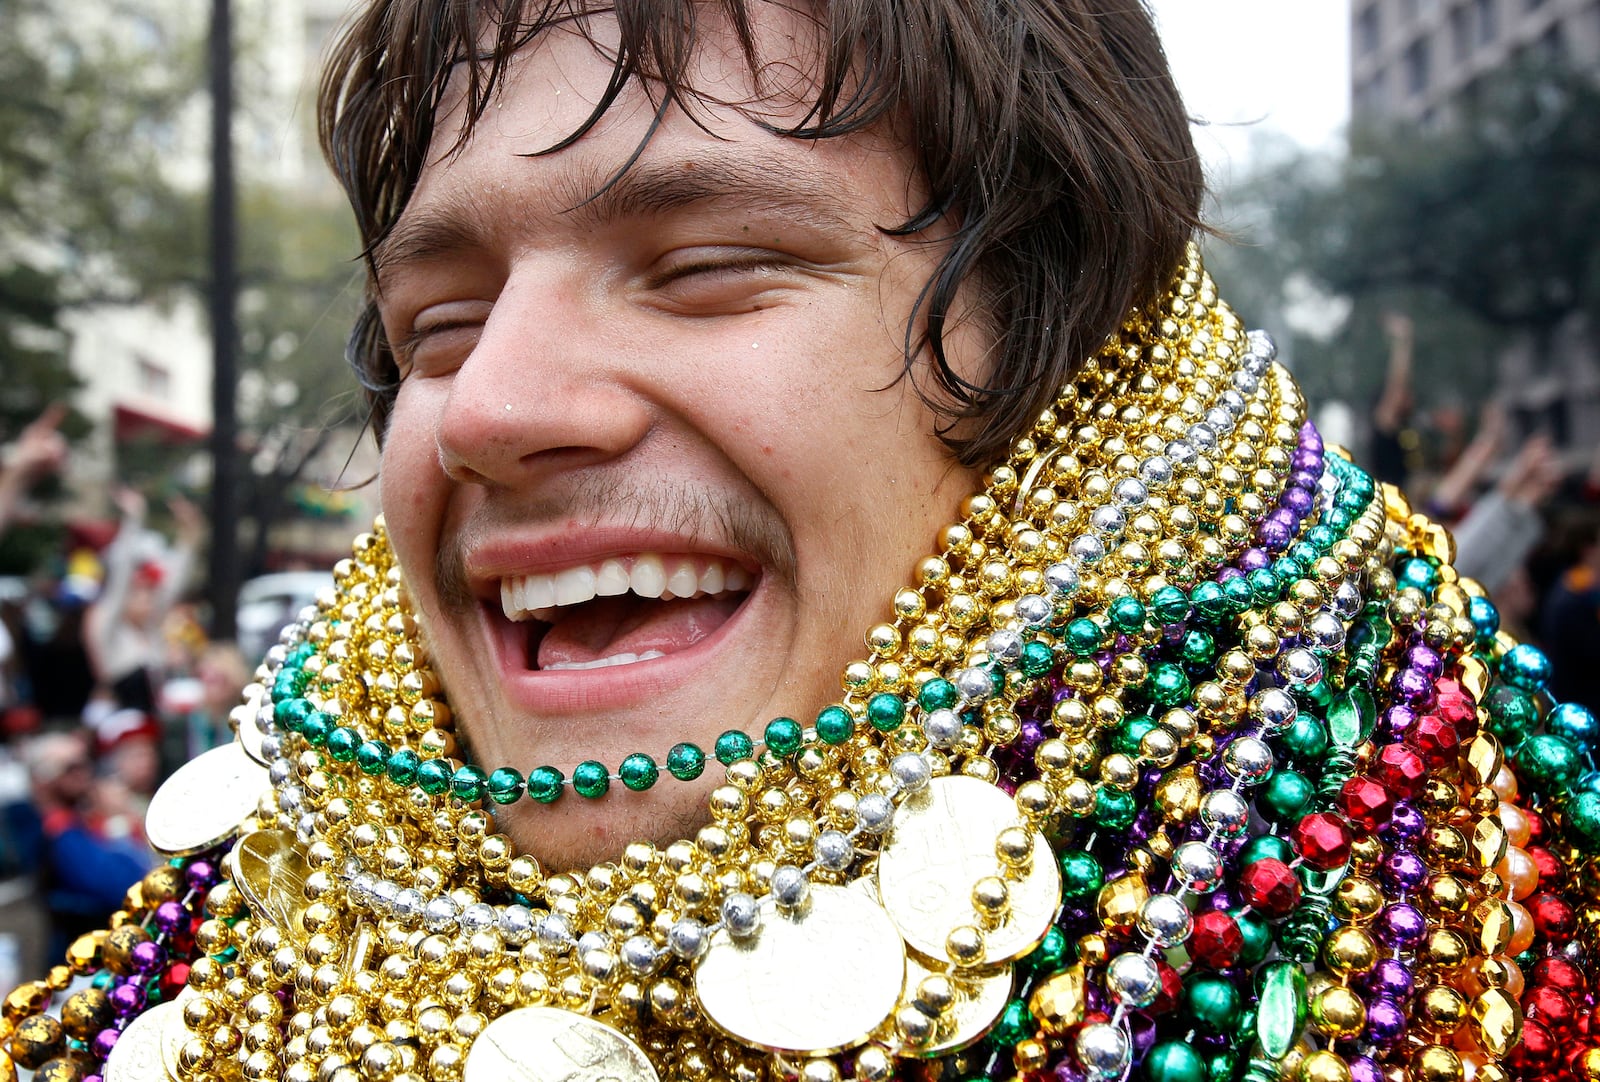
x,y
537,597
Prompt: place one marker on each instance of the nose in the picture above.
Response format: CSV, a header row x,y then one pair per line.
x,y
547,387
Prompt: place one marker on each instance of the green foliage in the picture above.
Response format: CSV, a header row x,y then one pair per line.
x,y
1485,230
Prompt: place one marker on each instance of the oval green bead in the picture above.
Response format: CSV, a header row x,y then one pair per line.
x,y
1169,605
1257,936
1582,820
1263,846
1306,738
467,783
885,712
835,725
783,736
1081,874
686,762
1281,1008
316,728
1113,809
732,746
433,776
1127,614
1037,659
1549,762
1015,1025
1049,954
591,779
1083,636
504,786
1168,684
1213,1002
343,743
638,772
937,694
545,784
402,767
1285,798
1174,1061
372,756
1198,647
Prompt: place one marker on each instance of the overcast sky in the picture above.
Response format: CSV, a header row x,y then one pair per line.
x,y
1252,67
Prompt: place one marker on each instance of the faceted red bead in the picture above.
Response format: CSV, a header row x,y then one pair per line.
x,y
1216,940
1558,973
1548,1005
172,980
1551,870
1171,988
1458,710
1269,886
1448,685
1323,839
1401,770
1367,802
1552,915
1436,739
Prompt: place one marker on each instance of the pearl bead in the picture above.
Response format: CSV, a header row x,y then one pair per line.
x,y
687,939
1165,919
1248,759
1103,1050
912,771
739,913
873,812
1224,812
789,885
1133,979
1197,866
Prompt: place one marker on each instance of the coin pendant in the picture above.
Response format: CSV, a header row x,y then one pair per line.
x,y
204,801
246,722
980,997
141,1054
816,980
940,844
270,871
548,1044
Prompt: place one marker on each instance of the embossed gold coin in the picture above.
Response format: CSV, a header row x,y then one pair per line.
x,y
204,801
980,997
245,720
270,871
548,1044
140,1054
940,844
819,979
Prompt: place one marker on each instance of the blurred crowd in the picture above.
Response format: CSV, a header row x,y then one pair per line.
x,y
1525,513
107,684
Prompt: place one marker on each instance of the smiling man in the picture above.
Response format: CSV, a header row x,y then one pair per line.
x,y
851,602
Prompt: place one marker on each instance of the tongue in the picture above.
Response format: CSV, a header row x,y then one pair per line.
x,y
629,624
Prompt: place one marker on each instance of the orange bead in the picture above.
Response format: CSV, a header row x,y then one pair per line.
x,y
1521,928
1515,820
1505,783
1519,871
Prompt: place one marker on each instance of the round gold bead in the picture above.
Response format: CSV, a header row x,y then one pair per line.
x,y
1436,1063
964,946
1350,951
1441,1009
1338,1013
1324,1066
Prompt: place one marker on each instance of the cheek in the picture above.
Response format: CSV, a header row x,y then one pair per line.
x,y
411,484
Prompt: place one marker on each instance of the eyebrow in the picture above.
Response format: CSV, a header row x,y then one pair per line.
x,y
460,221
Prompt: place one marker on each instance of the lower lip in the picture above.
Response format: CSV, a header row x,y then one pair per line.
x,y
610,687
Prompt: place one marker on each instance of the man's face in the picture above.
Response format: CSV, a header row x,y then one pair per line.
x,y
652,471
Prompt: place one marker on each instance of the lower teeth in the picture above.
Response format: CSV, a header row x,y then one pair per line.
x,y
604,662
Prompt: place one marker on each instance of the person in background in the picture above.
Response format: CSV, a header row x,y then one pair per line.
x,y
144,579
84,875
40,450
1393,443
1570,622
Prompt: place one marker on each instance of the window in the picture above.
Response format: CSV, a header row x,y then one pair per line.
x,y
1415,63
154,379
1369,30
1461,32
1486,21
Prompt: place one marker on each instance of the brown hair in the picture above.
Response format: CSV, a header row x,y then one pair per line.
x,y
1049,131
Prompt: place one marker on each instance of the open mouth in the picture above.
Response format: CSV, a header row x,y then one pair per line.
x,y
622,610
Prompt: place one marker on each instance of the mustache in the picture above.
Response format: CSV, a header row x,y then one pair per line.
x,y
751,527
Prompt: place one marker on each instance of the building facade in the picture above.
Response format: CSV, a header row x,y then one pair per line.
x,y
1417,60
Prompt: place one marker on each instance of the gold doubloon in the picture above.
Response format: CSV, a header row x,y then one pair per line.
x,y
548,1044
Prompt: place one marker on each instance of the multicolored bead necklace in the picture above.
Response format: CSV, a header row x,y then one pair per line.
x,y
1219,773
